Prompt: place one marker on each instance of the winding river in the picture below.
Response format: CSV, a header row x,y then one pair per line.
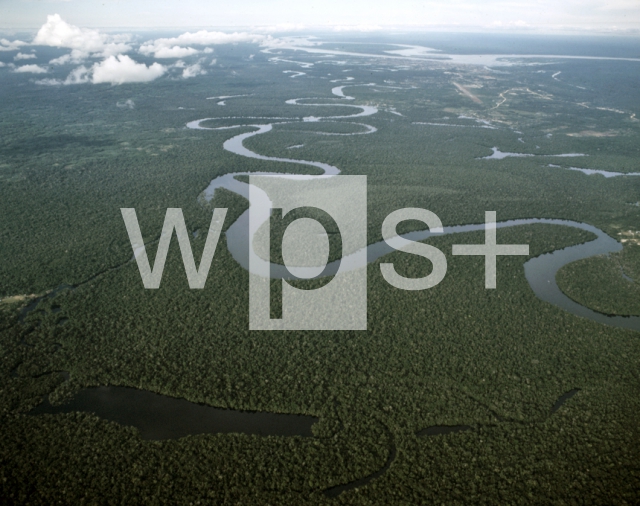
x,y
170,417
540,271
163,417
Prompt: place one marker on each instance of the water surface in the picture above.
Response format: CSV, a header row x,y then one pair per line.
x,y
162,417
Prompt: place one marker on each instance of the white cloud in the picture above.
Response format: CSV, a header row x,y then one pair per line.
x,y
285,42
49,82
75,56
179,47
57,33
33,69
122,69
24,56
114,70
78,75
193,71
2,64
168,52
190,70
11,45
205,38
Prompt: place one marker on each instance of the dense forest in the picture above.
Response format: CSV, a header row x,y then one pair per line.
x,y
454,355
609,285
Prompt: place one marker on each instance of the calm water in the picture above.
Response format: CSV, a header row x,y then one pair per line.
x,y
162,417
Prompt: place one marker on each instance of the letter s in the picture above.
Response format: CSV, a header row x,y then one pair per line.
x,y
427,251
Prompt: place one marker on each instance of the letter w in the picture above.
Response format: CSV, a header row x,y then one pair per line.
x,y
173,219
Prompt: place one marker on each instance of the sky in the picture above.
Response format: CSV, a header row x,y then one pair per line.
x,y
617,16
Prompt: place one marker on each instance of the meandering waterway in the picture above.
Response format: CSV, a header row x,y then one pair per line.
x,y
540,271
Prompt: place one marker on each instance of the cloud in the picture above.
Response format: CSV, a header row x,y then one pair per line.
x,y
193,71
24,56
79,75
285,42
205,38
168,52
57,33
11,45
114,70
2,64
75,56
190,70
179,47
33,69
49,82
122,69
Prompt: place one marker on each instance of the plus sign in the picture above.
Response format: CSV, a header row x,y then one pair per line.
x,y
490,249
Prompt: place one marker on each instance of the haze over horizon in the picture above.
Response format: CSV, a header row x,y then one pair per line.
x,y
592,16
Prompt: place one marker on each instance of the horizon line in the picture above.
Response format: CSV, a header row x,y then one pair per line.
x,y
292,28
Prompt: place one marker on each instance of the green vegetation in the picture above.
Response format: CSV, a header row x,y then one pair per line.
x,y
456,354
608,284
429,358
